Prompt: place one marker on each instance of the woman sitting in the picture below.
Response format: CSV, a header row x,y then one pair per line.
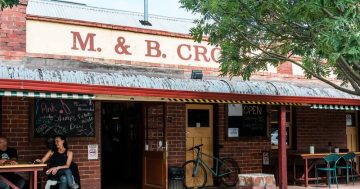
x,y
60,159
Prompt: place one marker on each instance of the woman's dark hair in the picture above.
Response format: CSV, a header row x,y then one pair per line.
x,y
62,137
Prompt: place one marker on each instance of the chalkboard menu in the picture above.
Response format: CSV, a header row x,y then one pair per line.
x,y
71,118
246,120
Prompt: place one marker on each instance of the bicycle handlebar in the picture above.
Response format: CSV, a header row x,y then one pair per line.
x,y
197,147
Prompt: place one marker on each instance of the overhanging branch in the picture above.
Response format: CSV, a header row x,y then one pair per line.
x,y
348,70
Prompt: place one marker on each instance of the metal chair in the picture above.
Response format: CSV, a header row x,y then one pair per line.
x,y
349,161
331,161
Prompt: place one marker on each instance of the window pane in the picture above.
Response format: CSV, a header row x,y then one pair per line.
x,y
287,135
275,108
274,116
275,135
198,118
288,116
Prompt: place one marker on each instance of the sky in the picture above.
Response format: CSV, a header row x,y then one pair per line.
x,y
169,8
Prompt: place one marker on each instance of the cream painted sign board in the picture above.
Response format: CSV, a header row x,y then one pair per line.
x,y
72,40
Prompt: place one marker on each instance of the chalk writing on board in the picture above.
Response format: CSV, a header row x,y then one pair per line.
x,y
72,118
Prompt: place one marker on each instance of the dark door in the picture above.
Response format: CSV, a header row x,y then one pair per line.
x,y
121,145
154,159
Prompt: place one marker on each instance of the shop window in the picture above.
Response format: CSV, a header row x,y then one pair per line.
x,y
246,120
274,123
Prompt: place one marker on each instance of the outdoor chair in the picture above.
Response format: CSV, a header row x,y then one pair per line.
x,y
349,161
331,161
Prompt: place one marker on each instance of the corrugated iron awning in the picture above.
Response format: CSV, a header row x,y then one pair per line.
x,y
46,95
119,79
230,101
333,107
133,86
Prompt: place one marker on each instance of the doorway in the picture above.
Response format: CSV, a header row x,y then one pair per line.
x,y
352,133
121,142
199,130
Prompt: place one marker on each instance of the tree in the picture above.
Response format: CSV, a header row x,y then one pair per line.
x,y
256,33
8,3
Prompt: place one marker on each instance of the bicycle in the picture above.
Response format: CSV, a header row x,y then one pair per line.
x,y
227,169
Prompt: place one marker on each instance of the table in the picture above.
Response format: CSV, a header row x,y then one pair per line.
x,y
31,168
308,157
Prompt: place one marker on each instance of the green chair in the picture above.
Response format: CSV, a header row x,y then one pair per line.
x,y
349,161
331,161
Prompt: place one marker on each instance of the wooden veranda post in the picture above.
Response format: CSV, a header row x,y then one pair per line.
x,y
282,150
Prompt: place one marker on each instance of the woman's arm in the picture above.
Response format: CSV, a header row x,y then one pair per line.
x,y
46,157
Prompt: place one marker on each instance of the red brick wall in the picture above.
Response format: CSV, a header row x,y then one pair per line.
x,y
285,68
15,126
13,32
175,132
319,127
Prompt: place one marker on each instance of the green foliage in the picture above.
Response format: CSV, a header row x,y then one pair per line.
x,y
256,33
8,3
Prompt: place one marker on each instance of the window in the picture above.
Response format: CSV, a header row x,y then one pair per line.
x,y
246,120
198,118
274,123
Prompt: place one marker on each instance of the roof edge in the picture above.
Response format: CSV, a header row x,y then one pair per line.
x,y
85,6
15,84
109,26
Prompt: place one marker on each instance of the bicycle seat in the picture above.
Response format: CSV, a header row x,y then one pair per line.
x,y
197,147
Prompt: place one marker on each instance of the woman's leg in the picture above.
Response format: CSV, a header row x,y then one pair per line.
x,y
63,182
69,177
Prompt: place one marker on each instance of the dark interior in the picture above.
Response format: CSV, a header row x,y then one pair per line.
x,y
121,145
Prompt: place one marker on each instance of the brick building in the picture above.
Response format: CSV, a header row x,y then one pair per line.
x,y
144,108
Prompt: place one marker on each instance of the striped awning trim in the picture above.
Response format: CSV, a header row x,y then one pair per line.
x,y
333,107
46,95
188,100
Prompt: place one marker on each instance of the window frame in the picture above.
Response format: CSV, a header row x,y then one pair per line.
x,y
289,124
226,122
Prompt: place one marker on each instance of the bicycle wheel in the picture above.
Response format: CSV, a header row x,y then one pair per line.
x,y
191,180
230,169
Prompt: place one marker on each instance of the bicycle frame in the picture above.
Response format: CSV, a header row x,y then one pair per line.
x,y
217,165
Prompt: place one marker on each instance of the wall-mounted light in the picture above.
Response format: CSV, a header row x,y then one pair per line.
x,y
196,74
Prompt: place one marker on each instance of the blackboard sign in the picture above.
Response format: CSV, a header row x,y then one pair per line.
x,y
71,118
249,119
